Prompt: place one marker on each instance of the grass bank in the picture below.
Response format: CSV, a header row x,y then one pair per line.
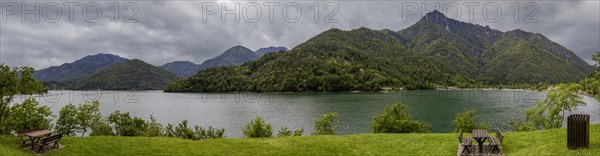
x,y
547,142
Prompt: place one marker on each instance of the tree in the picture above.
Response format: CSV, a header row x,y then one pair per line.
x,y
466,121
549,113
28,115
324,124
397,119
88,114
15,81
257,128
78,119
67,120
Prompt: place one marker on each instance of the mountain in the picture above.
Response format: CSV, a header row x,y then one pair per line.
x,y
263,51
434,51
540,41
233,56
334,60
77,69
132,74
181,68
489,55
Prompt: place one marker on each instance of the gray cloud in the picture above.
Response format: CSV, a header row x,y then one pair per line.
x,y
170,31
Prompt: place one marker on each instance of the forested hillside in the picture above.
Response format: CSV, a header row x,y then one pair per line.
x,y
436,51
133,74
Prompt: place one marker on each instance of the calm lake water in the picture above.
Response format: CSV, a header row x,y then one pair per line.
x,y
297,110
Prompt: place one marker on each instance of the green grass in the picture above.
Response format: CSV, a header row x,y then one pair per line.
x,y
548,142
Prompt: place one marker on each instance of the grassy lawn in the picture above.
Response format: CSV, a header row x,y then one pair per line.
x,y
549,142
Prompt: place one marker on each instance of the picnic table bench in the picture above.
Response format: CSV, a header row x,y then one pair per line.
x,y
23,138
495,142
464,142
48,140
35,136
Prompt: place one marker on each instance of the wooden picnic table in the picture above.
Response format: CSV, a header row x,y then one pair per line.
x,y
33,136
480,135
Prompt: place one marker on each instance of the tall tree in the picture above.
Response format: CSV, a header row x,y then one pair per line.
x,y
88,114
13,81
67,120
549,113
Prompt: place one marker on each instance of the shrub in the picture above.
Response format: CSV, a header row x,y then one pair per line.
x,y
284,132
466,122
182,131
125,125
28,115
397,119
257,128
169,131
518,125
299,132
324,124
153,129
199,133
101,128
210,133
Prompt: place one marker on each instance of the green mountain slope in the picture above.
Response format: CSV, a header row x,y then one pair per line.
x,y
525,63
541,42
334,60
472,50
435,51
80,68
133,74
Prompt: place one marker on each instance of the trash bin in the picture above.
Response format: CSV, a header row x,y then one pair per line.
x,y
578,131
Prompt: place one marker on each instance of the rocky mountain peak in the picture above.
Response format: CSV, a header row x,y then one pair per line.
x,y
437,17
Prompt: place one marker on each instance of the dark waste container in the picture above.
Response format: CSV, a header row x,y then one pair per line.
x,y
578,131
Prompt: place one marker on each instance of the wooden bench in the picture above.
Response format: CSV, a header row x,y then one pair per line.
x,y
48,140
464,142
24,138
495,142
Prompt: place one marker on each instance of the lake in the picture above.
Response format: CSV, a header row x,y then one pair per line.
x,y
297,110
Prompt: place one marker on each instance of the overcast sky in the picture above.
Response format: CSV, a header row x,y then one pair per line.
x,y
194,31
